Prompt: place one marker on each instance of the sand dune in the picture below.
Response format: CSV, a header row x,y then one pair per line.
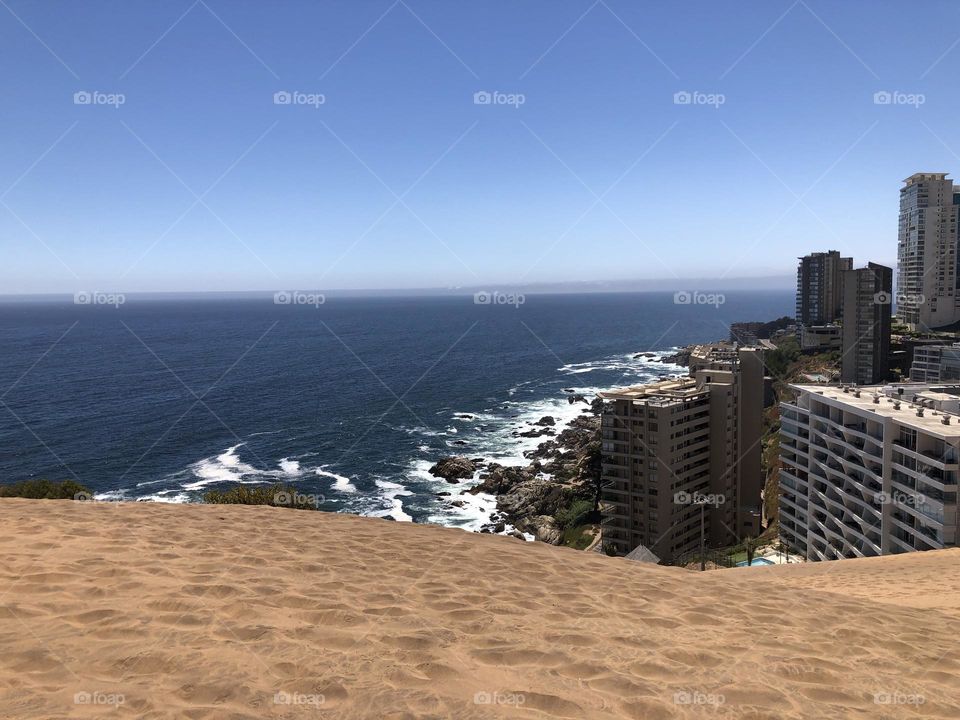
x,y
155,611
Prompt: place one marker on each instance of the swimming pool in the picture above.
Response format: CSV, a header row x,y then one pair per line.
x,y
756,562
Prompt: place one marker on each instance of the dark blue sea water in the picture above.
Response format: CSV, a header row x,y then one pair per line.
x,y
353,399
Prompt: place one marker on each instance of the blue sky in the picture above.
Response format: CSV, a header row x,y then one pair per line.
x,y
399,180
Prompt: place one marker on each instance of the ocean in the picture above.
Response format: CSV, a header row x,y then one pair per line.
x,y
351,400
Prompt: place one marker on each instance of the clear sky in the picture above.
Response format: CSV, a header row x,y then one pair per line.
x,y
398,179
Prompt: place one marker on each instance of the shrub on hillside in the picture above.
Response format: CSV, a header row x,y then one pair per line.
x,y
45,490
274,495
575,514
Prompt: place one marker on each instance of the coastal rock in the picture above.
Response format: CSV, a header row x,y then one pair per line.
x,y
544,529
538,496
535,433
499,479
546,420
454,468
576,398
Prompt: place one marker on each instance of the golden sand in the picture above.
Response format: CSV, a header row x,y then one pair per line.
x,y
142,610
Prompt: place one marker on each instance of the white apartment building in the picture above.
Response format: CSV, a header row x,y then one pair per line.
x,y
927,252
869,470
936,364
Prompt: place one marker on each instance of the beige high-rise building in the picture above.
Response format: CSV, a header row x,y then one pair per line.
x,y
671,445
927,252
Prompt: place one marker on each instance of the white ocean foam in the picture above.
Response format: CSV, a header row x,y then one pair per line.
x,y
392,492
290,467
166,496
340,482
225,467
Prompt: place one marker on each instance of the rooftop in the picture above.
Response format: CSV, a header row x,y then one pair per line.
x,y
682,388
932,398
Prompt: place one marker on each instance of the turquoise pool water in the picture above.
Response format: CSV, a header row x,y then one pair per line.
x,y
756,562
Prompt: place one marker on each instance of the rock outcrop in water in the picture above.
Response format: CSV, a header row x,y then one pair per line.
x,y
454,468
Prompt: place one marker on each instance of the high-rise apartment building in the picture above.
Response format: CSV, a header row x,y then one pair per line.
x,y
670,444
936,364
820,287
869,470
865,337
927,253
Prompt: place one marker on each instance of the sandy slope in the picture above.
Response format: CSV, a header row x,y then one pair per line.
x,y
209,612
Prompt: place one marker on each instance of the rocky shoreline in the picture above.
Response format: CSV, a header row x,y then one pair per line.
x,y
562,470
